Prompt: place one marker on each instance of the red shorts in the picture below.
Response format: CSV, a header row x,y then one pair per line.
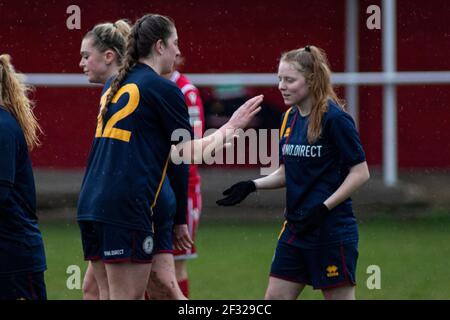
x,y
192,219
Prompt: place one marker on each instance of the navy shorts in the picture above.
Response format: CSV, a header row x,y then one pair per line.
x,y
163,218
322,268
113,244
23,286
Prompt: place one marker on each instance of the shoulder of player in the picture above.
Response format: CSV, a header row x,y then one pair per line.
x,y
8,124
185,85
334,111
158,85
335,114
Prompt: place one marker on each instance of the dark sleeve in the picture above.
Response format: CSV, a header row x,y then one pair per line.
x,y
8,150
174,112
343,133
4,193
178,176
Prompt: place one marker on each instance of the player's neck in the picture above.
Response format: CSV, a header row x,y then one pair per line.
x,y
304,107
152,63
113,72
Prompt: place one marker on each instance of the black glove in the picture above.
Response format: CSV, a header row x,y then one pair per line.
x,y
236,193
314,217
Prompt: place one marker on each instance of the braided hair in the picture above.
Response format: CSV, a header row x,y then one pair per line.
x,y
144,34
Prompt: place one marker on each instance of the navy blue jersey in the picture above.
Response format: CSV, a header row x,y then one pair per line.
x,y
315,171
130,152
21,245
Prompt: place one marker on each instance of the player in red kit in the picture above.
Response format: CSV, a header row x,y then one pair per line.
x,y
196,118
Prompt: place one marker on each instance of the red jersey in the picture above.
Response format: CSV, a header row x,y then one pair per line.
x,y
196,116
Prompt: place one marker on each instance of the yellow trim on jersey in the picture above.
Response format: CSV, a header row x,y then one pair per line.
x,y
283,125
99,130
287,132
162,181
282,229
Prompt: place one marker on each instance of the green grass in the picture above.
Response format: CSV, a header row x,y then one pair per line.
x,y
234,259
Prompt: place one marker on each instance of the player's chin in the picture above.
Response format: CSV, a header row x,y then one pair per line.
x,y
288,102
93,79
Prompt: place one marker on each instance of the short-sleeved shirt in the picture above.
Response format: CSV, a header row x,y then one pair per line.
x,y
21,244
130,152
315,171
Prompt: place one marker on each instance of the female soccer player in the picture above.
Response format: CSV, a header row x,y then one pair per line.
x,y
196,118
102,52
322,164
140,110
22,255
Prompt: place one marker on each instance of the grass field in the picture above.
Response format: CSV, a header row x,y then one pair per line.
x,y
234,258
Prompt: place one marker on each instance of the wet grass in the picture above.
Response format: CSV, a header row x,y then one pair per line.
x,y
235,257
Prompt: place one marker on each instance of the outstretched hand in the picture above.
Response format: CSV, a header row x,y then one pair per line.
x,y
242,116
237,193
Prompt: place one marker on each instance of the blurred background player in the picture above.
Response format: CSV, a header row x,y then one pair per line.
x,y
115,205
102,52
322,164
22,255
197,120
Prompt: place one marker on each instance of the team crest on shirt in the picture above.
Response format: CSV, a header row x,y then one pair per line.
x,y
147,245
332,271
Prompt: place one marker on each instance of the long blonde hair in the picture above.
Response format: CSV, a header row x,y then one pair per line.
x,y
14,93
313,64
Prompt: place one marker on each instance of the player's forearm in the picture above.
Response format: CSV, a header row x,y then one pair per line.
x,y
275,180
357,176
195,151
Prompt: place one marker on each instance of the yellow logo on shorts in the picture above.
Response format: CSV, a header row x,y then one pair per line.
x,y
332,271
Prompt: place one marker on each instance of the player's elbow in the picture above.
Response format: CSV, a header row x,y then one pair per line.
x,y
365,174
361,172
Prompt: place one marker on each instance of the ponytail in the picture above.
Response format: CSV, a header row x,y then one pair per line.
x,y
130,60
111,36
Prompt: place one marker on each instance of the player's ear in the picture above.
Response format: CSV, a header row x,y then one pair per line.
x,y
109,55
159,47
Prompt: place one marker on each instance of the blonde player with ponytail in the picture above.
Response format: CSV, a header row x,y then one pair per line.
x,y
127,167
322,164
102,52
22,255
